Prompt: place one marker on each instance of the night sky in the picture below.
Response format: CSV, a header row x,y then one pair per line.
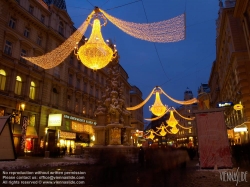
x,y
178,65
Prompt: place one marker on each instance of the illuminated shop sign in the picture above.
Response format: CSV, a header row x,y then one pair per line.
x,y
55,120
238,107
79,119
79,127
67,135
224,104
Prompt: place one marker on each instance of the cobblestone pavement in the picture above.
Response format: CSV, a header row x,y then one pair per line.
x,y
130,175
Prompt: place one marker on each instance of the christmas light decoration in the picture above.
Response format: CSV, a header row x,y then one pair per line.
x,y
188,102
59,54
171,30
172,122
95,53
158,108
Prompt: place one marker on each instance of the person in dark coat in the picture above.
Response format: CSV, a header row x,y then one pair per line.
x,y
141,157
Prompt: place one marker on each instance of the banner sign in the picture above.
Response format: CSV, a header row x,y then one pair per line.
x,y
213,144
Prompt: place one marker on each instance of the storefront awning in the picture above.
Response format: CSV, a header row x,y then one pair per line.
x,y
31,132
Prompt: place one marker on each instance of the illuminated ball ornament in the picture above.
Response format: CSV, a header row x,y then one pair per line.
x,y
158,108
95,53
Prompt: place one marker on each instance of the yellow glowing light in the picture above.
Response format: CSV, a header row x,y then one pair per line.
x,y
151,136
95,53
172,122
59,54
174,130
162,132
171,30
158,108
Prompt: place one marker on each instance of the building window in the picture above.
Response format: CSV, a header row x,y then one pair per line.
x,y
83,108
57,72
23,53
85,87
79,65
189,130
97,93
26,32
69,102
61,28
18,86
8,47
2,79
39,40
78,84
70,79
42,18
31,9
12,23
76,106
91,90
55,97
32,90
71,60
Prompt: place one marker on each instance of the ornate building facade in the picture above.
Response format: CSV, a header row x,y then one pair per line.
x,y
60,103
229,78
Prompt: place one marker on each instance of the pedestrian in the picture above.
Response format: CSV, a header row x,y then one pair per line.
x,y
141,157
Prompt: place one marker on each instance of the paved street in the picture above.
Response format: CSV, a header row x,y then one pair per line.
x,y
129,175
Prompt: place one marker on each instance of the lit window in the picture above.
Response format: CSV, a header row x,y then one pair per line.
x,y
32,90
2,79
18,86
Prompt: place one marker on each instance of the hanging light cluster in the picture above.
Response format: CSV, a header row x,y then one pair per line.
x,y
171,128
59,54
158,108
171,30
95,53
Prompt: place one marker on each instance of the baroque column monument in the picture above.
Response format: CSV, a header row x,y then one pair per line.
x,y
113,119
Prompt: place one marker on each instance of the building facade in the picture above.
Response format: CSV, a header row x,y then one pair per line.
x,y
229,78
60,103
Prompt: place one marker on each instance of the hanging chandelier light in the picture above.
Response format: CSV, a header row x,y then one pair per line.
x,y
158,108
95,53
172,122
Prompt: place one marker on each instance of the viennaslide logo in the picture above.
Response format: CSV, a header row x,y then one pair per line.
x,y
233,176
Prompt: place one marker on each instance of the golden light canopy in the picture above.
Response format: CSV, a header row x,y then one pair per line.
x,y
95,53
158,108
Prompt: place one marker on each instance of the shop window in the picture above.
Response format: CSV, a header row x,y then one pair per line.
x,y
18,86
2,79
32,90
8,48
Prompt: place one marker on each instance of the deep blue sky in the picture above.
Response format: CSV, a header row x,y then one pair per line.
x,y
187,63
